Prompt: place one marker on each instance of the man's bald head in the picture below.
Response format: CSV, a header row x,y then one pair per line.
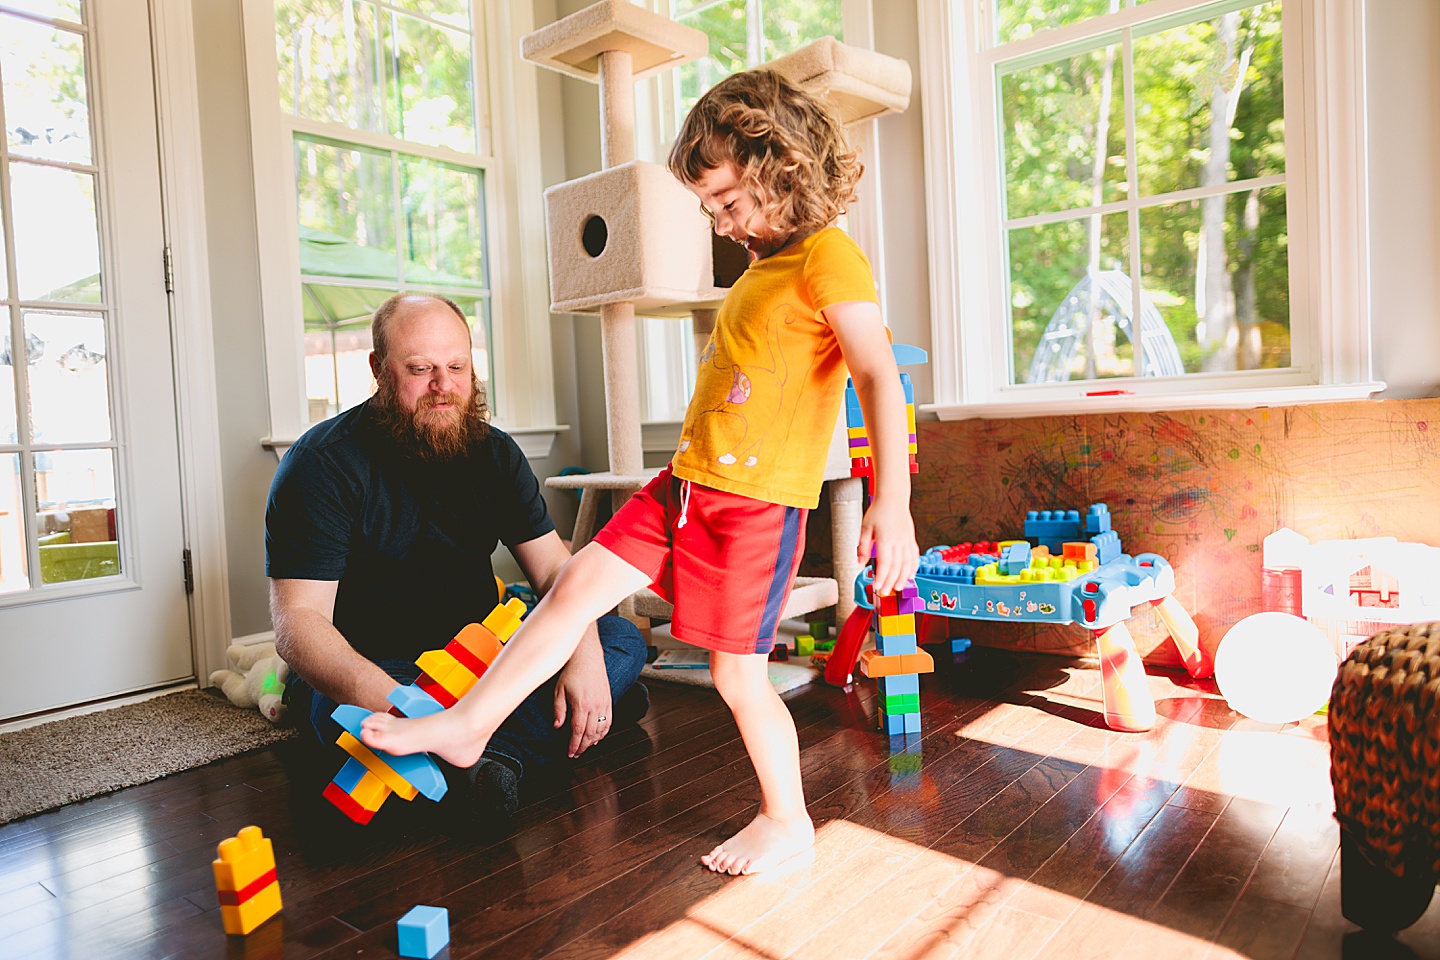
x,y
402,306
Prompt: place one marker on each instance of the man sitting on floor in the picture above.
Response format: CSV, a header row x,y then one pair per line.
x,y
378,535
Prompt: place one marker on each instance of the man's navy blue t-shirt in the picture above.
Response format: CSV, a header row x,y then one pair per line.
x,y
409,541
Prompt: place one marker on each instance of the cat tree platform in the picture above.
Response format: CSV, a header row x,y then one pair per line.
x,y
862,84
573,44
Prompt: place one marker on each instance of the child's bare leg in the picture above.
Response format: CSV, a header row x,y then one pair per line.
x,y
589,585
783,827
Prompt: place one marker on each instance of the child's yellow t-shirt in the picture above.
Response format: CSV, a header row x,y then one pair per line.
x,y
771,379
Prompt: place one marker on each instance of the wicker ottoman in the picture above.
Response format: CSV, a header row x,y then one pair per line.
x,y
1385,767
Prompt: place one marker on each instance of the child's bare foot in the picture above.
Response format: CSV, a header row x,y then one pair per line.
x,y
762,844
443,734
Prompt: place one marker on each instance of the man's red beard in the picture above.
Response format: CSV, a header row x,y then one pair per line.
x,y
427,433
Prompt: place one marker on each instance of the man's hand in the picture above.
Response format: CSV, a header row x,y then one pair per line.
x,y
582,693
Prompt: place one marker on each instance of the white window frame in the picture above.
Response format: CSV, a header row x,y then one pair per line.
x,y
508,130
1328,230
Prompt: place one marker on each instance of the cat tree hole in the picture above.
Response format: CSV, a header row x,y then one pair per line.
x,y
594,235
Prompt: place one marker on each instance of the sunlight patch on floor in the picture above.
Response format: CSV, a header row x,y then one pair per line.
x,y
925,905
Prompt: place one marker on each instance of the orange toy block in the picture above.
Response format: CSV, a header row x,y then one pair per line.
x,y
245,880
477,640
504,620
1081,551
874,665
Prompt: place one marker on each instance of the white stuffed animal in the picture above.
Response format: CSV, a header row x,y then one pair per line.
x,y
259,680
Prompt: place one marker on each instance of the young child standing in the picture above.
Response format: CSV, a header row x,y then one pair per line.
x,y
721,530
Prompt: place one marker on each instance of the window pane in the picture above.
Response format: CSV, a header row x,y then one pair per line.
x,y
69,382
477,315
790,24
346,194
1218,271
9,424
76,517
444,223
13,561
1070,301
337,354
456,12
57,238
1210,102
59,9
1064,126
46,111
329,56
1018,19
429,94
725,24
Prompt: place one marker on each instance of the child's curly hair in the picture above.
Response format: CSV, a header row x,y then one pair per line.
x,y
789,148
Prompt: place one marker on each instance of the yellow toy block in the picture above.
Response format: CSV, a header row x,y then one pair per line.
x,y
874,665
856,432
480,641
856,452
442,667
253,912
375,765
370,792
245,881
244,858
504,620
900,625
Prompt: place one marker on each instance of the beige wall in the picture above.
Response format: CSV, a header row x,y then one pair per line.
x,y
1404,100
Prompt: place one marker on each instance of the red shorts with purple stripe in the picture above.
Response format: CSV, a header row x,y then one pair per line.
x,y
726,562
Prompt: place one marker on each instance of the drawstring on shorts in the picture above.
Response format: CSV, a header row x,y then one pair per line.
x,y
684,503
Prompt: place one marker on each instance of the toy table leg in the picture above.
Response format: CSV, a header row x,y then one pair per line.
x,y
1186,636
1128,704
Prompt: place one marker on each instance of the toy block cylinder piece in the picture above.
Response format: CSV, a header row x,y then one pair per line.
x,y
245,881
629,234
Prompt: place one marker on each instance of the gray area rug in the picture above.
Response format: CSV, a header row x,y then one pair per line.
x,y
56,763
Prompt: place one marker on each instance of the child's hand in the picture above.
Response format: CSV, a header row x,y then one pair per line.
x,y
888,527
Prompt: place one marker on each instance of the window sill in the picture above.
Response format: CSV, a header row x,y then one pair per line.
x,y
536,443
1078,402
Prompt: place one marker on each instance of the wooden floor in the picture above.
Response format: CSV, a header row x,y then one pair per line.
x,y
1018,827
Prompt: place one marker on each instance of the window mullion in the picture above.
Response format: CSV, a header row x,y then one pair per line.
x,y
1132,190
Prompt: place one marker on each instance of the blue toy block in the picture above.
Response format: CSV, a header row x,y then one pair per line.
x,y
416,768
909,389
894,646
350,775
1098,519
893,724
959,644
912,722
1052,528
423,932
1107,546
899,684
1015,559
413,702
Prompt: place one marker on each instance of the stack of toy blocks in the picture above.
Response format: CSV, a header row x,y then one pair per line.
x,y
245,880
861,462
370,776
897,660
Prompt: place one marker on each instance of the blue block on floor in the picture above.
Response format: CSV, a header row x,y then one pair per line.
x,y
912,722
892,725
423,932
959,644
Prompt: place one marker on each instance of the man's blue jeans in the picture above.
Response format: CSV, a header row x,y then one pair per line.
x,y
527,741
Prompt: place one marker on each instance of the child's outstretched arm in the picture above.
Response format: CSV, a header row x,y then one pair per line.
x,y
887,523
